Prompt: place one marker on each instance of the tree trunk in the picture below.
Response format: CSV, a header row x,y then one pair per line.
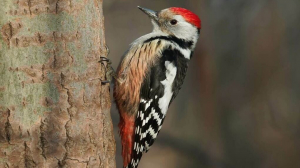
x,y
54,112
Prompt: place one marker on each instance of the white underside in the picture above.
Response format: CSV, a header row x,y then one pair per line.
x,y
164,101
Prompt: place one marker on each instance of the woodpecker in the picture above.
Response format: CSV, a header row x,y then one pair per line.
x,y
149,77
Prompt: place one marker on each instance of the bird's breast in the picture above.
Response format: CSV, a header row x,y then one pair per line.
x,y
132,71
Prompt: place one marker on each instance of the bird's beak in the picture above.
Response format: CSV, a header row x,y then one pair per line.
x,y
152,14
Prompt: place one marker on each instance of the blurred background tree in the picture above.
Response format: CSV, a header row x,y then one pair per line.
x,y
239,106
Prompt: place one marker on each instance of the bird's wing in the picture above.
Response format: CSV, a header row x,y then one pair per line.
x,y
158,89
133,70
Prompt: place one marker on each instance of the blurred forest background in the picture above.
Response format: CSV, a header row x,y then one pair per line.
x,y
239,106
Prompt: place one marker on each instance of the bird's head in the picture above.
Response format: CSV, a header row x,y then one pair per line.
x,y
174,21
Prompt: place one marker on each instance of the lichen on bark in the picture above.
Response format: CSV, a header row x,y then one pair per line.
x,y
51,113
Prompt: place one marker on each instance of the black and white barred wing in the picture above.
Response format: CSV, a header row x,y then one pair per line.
x,y
158,90
150,116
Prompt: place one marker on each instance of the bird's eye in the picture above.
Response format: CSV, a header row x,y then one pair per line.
x,y
173,22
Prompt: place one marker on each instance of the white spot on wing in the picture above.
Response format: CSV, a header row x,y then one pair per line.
x,y
142,115
147,145
147,119
156,116
164,101
152,132
144,122
148,104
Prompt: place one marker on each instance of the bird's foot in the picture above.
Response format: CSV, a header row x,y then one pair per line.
x,y
109,71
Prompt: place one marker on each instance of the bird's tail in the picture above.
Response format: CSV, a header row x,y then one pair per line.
x,y
126,126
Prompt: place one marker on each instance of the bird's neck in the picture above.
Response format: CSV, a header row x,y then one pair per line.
x,y
160,34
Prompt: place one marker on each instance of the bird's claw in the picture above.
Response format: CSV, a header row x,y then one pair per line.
x,y
109,71
104,59
107,51
105,82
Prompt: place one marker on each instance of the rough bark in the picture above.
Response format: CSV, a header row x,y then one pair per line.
x,y
54,112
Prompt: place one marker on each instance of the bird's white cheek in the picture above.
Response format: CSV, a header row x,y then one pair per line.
x,y
185,31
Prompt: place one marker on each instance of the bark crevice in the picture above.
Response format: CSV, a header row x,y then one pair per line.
x,y
29,6
43,140
29,162
56,7
8,128
68,137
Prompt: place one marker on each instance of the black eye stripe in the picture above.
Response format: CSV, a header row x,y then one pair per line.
x,y
173,22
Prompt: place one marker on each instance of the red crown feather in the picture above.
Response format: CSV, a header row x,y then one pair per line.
x,y
188,16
